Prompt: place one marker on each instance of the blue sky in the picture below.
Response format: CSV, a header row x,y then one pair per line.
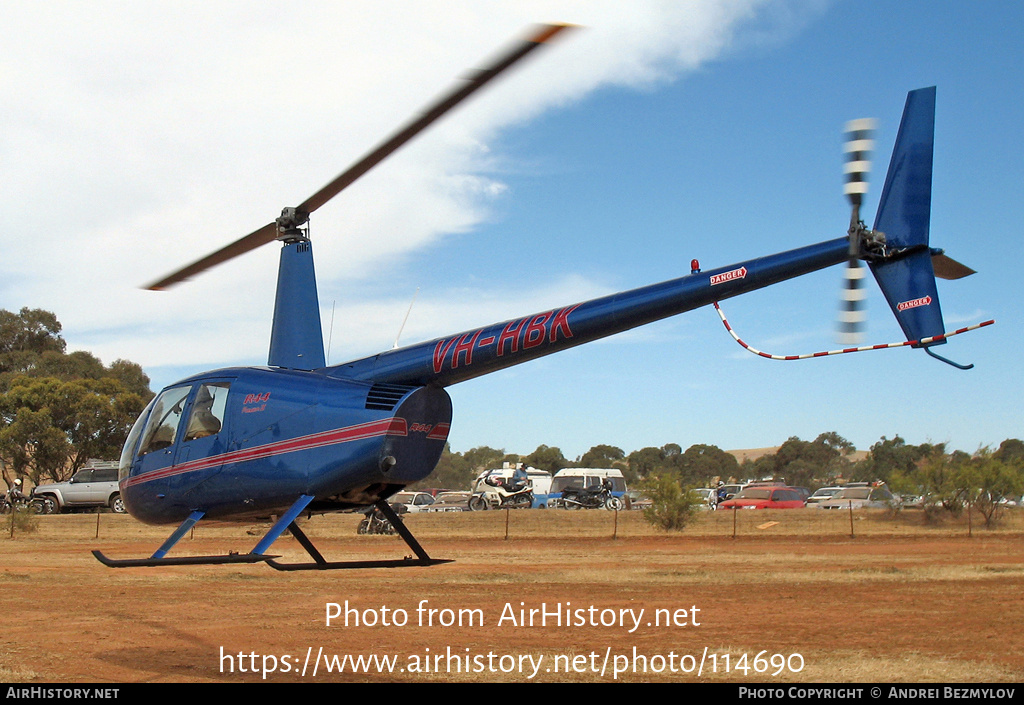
x,y
661,132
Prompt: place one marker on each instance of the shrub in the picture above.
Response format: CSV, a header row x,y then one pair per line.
x,y
672,505
20,520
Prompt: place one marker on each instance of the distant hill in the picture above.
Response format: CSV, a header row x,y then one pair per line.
x,y
755,453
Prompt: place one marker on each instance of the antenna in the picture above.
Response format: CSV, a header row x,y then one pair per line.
x,y
402,327
330,333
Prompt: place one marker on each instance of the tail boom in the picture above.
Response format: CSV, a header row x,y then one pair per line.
x,y
470,354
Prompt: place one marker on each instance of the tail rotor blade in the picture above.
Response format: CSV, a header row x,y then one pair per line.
x,y
859,144
852,314
857,147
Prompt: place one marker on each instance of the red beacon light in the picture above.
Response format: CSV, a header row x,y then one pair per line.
x,y
694,267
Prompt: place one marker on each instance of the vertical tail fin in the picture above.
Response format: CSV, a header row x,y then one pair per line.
x,y
906,277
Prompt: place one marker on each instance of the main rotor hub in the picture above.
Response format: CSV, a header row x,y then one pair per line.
x,y
289,225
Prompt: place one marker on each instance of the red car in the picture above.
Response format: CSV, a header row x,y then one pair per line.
x,y
765,498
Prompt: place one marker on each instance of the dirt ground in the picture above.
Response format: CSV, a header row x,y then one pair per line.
x,y
791,598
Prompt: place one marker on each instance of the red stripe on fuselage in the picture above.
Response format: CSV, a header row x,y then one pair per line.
x,y
385,427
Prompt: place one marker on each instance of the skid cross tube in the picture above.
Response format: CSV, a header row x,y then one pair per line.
x,y
319,563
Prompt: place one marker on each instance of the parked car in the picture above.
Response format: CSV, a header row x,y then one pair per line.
x,y
413,501
912,501
805,493
709,496
873,497
820,495
90,487
729,491
634,499
450,502
765,498
435,491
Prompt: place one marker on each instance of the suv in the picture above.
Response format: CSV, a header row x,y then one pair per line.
x,y
862,496
90,487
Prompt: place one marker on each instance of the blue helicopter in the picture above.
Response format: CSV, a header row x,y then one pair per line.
x,y
299,437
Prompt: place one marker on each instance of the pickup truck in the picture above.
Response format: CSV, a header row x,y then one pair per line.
x,y
90,487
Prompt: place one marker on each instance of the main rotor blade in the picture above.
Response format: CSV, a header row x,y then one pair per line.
x,y
539,35
439,107
250,242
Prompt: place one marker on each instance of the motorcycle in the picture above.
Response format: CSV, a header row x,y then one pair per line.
x,y
593,497
20,503
505,494
375,523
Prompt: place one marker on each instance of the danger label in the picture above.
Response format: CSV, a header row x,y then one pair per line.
x,y
914,303
729,276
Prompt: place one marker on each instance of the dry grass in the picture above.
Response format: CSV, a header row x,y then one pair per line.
x,y
900,602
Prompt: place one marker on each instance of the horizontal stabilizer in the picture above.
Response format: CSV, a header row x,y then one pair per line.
x,y
948,268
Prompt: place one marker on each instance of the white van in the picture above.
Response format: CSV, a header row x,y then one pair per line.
x,y
540,481
579,478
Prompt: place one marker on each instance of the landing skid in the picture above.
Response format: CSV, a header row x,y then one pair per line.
x,y
181,560
258,555
319,563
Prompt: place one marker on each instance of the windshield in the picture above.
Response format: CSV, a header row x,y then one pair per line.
x,y
754,494
128,452
854,493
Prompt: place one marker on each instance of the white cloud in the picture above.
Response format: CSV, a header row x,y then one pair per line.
x,y
140,136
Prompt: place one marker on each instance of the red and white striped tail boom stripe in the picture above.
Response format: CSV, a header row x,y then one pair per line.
x,y
922,341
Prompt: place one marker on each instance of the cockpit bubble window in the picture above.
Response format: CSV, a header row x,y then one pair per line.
x,y
207,415
128,453
163,421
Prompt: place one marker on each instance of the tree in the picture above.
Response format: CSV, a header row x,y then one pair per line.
x,y
59,409
645,462
25,336
484,458
887,456
1011,452
547,458
49,428
807,463
701,463
988,481
602,456
936,479
452,471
